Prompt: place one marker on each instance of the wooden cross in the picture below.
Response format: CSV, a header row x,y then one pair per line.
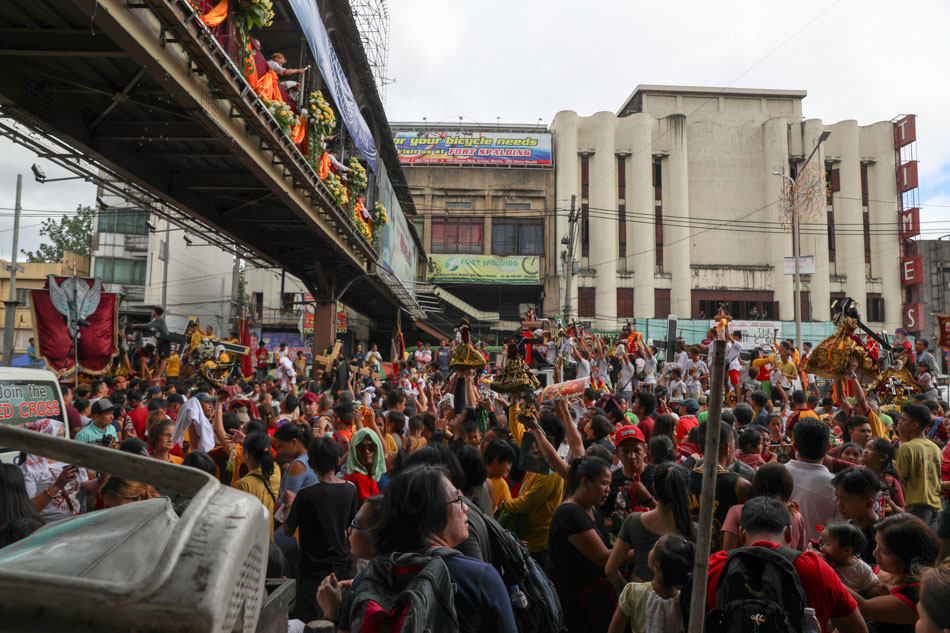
x,y
324,363
366,372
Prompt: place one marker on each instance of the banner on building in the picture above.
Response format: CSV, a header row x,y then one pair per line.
x,y
295,342
484,269
943,330
426,147
308,14
340,319
754,333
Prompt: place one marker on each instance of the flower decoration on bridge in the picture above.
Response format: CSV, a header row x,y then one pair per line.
x,y
360,221
358,179
322,117
380,217
251,14
337,189
286,118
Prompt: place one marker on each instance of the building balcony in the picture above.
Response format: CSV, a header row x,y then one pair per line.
x,y
133,293
273,317
136,243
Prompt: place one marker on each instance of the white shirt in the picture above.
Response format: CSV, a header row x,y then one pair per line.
x,y
192,413
583,368
625,380
649,367
732,355
815,495
682,361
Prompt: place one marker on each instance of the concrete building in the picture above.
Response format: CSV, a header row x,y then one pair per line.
x,y
935,290
484,197
680,210
34,276
153,263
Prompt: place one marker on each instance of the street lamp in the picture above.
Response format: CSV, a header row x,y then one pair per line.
x,y
41,178
796,239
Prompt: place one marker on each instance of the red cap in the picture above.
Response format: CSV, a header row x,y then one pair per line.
x,y
310,397
628,432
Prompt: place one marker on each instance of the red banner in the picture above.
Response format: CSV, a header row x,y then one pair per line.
x,y
97,343
943,330
244,333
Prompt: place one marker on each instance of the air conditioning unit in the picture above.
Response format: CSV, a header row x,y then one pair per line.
x,y
141,566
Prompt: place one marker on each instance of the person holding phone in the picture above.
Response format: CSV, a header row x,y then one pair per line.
x,y
58,490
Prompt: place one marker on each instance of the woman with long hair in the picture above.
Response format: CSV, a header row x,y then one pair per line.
x,y
641,530
906,547
58,490
879,457
422,509
770,480
263,478
579,548
14,502
118,492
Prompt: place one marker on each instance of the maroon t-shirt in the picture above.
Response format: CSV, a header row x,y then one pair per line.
x,y
646,427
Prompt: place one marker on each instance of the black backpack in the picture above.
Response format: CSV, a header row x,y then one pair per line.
x,y
516,567
759,592
404,593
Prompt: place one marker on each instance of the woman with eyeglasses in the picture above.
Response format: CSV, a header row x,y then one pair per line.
x,y
422,509
323,513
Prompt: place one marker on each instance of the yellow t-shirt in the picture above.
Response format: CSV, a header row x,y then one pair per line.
x,y
174,366
499,492
252,485
918,462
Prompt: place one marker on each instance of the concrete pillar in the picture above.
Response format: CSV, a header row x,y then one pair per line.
x,y
566,184
640,230
815,235
324,326
775,152
848,210
676,242
603,220
885,243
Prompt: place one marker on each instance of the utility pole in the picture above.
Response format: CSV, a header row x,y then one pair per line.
x,y
9,325
568,257
165,268
707,498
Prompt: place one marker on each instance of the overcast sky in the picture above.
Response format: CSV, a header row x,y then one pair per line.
x,y
521,60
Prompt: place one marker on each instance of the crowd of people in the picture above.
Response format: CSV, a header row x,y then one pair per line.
x,y
815,479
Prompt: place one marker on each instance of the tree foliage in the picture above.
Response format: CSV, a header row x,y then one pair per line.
x,y
71,233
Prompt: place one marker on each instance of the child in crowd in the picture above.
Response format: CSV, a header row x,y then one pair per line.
x,y
498,458
749,448
842,544
416,441
850,452
654,607
926,381
677,388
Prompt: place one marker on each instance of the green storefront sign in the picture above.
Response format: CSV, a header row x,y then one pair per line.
x,y
484,269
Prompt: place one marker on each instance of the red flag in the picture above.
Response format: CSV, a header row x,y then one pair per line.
x,y
245,333
97,343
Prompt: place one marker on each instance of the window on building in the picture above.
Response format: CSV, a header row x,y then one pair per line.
x,y
517,237
23,297
622,206
739,304
128,221
624,303
458,204
585,206
586,302
875,304
458,235
288,302
806,305
518,206
658,212
115,270
838,297
259,304
420,225
831,235
661,303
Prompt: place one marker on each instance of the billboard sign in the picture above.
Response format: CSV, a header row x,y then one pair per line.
x,y
907,176
436,147
910,223
398,252
912,271
295,342
806,265
484,269
914,317
905,131
754,333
